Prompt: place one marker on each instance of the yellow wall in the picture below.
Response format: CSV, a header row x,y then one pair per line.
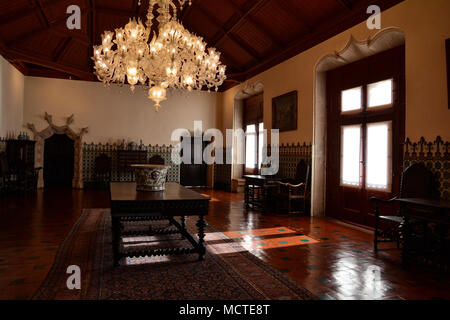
x,y
426,24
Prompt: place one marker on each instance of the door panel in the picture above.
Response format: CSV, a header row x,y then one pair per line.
x,y
194,175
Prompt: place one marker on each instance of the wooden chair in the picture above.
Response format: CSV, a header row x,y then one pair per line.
x,y
102,168
5,175
416,182
296,189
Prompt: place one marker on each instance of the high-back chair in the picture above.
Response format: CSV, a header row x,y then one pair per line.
x,y
102,167
296,189
417,182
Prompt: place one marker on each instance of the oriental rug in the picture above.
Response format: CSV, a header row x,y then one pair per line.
x,y
228,272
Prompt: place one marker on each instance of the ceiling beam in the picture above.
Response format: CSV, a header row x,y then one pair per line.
x,y
35,32
346,4
41,13
295,14
265,31
258,5
22,68
15,55
61,49
13,16
47,73
240,42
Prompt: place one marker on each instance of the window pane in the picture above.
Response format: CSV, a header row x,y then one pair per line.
x,y
351,99
378,156
350,155
380,93
260,143
250,147
251,128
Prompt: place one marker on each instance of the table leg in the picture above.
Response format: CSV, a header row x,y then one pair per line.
x,y
115,228
246,194
201,237
183,225
405,244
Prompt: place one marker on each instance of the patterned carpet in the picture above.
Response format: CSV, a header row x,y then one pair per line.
x,y
229,272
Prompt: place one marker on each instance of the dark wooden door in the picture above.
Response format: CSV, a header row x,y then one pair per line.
x,y
365,135
58,161
194,175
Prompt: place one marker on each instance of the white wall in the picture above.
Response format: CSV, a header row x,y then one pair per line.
x,y
114,113
11,98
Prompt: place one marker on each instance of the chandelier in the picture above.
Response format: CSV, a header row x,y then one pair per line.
x,y
174,58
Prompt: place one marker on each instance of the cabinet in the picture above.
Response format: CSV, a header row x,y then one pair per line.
x,y
22,176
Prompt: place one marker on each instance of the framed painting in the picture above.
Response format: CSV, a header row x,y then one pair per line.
x,y
284,112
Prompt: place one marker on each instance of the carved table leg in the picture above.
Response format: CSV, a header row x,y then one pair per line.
x,y
115,228
405,242
201,237
183,225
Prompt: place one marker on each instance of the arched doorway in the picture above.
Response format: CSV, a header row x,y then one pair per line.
x,y
353,51
250,90
58,161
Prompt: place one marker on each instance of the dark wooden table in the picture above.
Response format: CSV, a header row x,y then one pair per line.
x,y
127,204
424,211
265,183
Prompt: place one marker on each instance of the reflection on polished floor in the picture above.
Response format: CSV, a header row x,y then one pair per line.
x,y
332,260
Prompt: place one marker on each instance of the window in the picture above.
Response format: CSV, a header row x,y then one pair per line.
x,y
379,94
254,143
351,155
254,132
351,99
250,147
379,156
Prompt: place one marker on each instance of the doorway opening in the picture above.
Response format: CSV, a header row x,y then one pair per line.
x,y
59,155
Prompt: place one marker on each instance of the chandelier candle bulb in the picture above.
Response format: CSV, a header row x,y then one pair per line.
x,y
174,58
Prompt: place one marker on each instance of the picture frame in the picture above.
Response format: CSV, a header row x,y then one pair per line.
x,y
285,111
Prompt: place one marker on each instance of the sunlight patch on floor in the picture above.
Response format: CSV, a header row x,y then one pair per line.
x,y
258,232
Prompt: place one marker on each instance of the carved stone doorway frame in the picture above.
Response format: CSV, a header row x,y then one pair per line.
x,y
353,51
52,129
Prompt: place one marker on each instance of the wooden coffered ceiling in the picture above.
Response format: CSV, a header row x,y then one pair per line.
x,y
252,35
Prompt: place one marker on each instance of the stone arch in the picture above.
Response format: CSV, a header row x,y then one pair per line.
x,y
354,50
41,136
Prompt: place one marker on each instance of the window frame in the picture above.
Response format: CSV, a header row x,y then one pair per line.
x,y
257,168
341,182
354,111
383,106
